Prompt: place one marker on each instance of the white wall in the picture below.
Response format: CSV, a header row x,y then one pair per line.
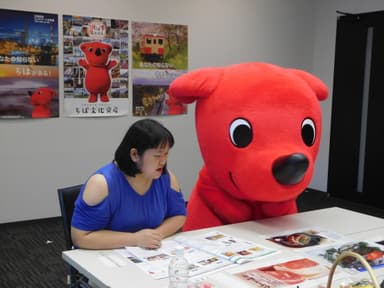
x,y
323,64
38,156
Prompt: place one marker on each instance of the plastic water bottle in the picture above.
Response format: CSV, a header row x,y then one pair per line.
x,y
178,269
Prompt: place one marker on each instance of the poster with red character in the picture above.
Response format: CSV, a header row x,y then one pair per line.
x,y
29,78
95,66
159,55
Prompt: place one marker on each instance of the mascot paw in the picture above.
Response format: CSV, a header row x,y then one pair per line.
x,y
104,98
82,62
92,99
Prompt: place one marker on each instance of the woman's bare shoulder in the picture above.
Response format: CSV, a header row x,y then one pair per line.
x,y
95,190
174,183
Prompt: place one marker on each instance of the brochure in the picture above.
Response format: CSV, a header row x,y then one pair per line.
x,y
287,271
294,272
209,252
306,238
228,247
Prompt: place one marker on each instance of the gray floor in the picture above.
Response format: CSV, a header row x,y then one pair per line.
x,y
30,251
30,254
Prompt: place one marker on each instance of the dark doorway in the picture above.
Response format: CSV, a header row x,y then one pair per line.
x,y
356,156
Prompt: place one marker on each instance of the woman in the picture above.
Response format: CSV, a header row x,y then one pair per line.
x,y
134,200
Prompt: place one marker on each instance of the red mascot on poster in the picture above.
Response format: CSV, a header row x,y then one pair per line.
x,y
97,65
258,127
41,100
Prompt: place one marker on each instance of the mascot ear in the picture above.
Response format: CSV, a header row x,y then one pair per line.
x,y
195,85
315,83
83,46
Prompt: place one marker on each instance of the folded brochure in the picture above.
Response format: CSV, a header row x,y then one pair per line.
x,y
208,252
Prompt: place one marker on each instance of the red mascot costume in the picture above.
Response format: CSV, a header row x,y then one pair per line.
x,y
258,127
174,106
97,66
41,100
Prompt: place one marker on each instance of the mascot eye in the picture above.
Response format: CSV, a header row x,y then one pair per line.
x,y
104,50
90,49
240,132
308,132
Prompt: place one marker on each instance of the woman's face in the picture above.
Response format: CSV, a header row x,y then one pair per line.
x,y
152,162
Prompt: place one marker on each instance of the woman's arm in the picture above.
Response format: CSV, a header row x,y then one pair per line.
x,y
171,225
106,239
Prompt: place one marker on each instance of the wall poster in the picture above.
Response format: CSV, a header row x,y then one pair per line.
x,y
29,79
159,55
96,66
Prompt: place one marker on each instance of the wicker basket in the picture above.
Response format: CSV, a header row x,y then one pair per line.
x,y
361,259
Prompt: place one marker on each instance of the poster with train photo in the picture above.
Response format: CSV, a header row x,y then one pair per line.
x,y
159,55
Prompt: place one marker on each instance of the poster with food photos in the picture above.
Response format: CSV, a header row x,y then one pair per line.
x,y
159,55
96,66
28,64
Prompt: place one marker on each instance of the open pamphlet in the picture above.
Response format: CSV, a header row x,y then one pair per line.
x,y
286,271
289,270
208,252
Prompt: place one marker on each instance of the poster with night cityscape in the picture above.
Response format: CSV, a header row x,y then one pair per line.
x,y
29,80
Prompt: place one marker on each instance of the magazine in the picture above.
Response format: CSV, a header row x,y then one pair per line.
x,y
209,252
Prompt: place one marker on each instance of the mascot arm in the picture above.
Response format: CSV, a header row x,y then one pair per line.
x,y
198,214
83,63
227,208
111,64
272,209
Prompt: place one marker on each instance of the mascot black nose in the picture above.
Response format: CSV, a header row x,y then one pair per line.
x,y
290,169
98,52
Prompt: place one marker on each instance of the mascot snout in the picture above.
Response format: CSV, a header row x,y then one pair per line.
x,y
290,170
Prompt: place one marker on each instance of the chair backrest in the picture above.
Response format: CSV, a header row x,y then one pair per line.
x,y
67,197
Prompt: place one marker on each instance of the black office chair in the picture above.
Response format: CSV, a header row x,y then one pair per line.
x,y
67,197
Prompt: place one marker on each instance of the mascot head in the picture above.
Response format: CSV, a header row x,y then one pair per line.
x,y
258,127
96,53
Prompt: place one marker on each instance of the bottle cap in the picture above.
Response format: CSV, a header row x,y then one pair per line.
x,y
179,250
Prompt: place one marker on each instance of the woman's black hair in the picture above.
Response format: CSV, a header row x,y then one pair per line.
x,y
142,135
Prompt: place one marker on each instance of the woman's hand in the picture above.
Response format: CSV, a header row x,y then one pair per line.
x,y
148,238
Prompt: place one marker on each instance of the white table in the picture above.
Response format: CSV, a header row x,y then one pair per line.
x,y
107,268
